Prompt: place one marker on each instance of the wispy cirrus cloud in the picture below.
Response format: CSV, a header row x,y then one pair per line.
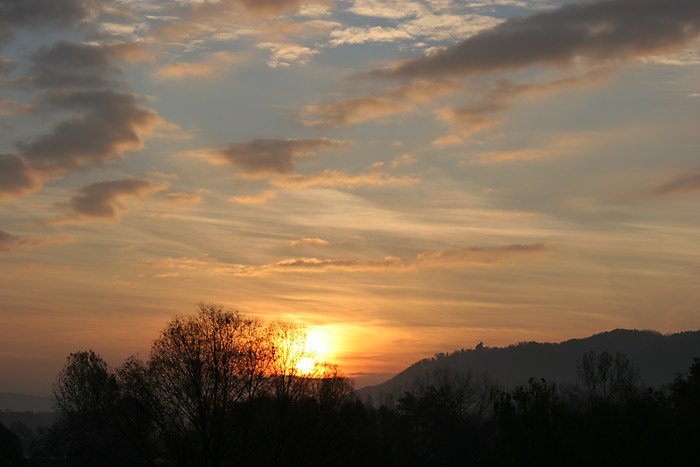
x,y
597,31
212,65
687,183
183,199
260,158
452,257
558,146
373,107
258,198
103,201
9,242
350,111
336,179
488,105
9,108
309,242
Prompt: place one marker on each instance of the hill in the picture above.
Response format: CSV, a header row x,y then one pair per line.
x,y
659,358
24,402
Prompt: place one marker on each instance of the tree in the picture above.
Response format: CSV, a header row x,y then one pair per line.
x,y
10,449
218,389
607,380
203,373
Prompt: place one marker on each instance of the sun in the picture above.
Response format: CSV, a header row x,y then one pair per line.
x,y
315,350
306,365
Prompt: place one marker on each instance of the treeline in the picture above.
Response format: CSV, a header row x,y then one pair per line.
x,y
220,389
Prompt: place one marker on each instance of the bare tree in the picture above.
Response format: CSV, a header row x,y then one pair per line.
x,y
606,379
203,369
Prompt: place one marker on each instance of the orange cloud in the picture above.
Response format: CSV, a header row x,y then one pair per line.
x,y
444,258
183,199
309,241
335,179
350,111
213,65
9,242
561,145
260,198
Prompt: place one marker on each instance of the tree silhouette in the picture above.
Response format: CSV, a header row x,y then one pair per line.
x,y
608,380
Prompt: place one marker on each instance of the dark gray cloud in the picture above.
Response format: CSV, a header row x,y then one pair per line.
x,y
76,65
686,183
17,178
101,201
600,30
44,13
264,157
113,122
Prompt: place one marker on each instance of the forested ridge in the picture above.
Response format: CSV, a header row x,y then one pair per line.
x,y
220,389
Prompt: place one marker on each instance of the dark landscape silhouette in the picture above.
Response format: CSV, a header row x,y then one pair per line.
x,y
221,389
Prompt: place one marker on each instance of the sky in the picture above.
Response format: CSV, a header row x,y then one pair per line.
x,y
402,177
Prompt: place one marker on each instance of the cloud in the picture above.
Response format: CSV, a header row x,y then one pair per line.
x,y
260,198
77,65
389,9
17,178
182,199
598,31
413,21
350,111
424,91
323,265
403,159
267,157
284,54
560,145
309,242
477,255
374,107
682,184
10,108
335,179
9,242
44,13
471,119
449,140
483,113
113,123
213,65
101,201
445,258
358,35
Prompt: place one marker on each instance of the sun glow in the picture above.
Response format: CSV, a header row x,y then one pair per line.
x,y
313,352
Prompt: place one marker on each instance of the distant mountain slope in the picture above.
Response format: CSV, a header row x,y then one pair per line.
x,y
24,402
659,359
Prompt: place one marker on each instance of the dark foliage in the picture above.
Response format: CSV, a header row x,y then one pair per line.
x,y
220,390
